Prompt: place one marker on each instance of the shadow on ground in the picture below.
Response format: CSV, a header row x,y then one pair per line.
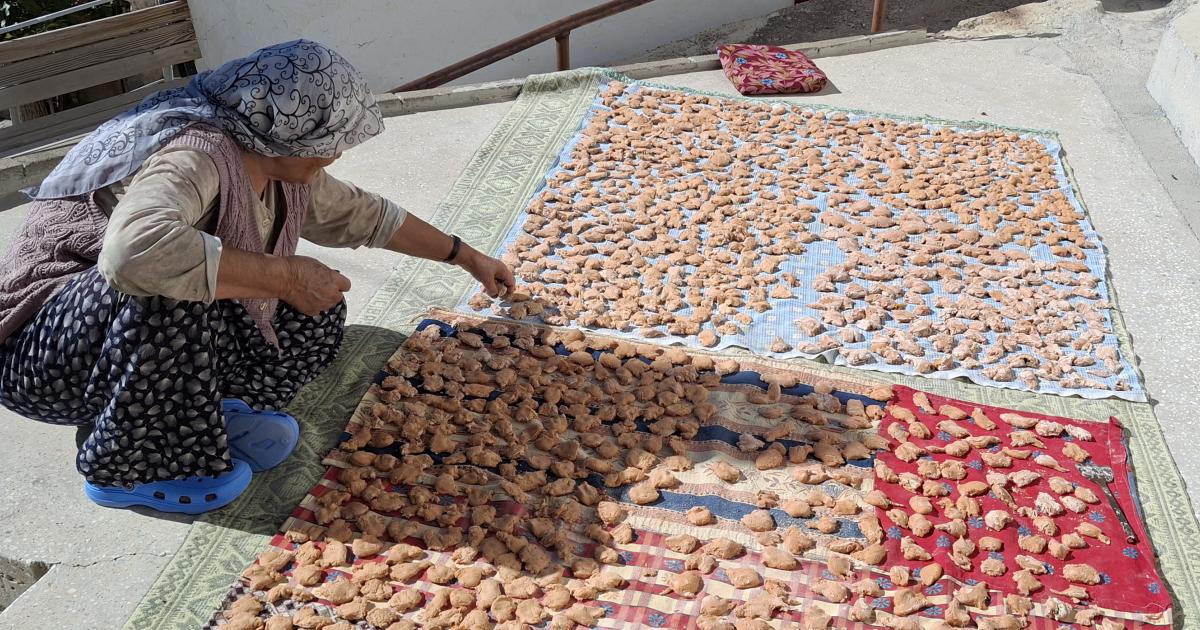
x,y
826,19
1133,6
814,20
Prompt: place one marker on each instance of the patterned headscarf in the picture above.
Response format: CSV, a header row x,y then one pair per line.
x,y
296,99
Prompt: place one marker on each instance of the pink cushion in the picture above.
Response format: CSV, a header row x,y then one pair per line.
x,y
755,69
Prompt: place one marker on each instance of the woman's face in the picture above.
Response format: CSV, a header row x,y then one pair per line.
x,y
297,170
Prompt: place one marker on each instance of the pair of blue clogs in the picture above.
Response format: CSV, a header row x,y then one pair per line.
x,y
258,440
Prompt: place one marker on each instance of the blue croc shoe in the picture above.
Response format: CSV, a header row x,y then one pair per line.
x,y
262,439
194,495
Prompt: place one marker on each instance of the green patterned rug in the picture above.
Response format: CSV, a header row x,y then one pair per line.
x,y
481,206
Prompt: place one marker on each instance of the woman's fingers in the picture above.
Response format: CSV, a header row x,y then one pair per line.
x,y
489,286
506,277
313,287
496,277
342,282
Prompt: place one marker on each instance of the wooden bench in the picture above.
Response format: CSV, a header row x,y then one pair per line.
x,y
74,58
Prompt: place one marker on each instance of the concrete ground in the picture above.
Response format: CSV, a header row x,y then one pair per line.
x,y
1083,82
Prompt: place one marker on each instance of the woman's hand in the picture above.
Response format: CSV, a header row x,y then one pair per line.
x,y
310,286
495,276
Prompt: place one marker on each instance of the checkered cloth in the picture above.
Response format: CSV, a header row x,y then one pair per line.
x,y
647,564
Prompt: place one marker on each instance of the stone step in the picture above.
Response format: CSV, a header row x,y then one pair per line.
x,y
98,595
1175,77
16,577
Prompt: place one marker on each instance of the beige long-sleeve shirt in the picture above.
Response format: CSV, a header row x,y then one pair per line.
x,y
160,238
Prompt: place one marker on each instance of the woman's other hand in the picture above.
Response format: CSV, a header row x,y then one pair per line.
x,y
311,287
495,276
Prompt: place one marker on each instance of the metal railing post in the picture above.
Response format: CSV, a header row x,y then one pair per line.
x,y
877,15
562,42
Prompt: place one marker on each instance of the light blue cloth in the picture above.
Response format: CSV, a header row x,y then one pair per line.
x,y
298,99
778,322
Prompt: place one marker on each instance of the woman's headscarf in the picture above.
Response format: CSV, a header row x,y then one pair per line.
x,y
296,99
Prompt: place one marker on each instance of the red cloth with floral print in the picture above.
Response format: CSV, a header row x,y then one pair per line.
x,y
755,69
1131,586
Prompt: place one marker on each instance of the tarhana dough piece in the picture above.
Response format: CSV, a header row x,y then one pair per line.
x,y
1081,574
744,578
643,493
725,472
909,600
699,515
974,596
259,577
687,584
338,592
682,543
777,558
759,521
835,592
610,513
724,548
280,622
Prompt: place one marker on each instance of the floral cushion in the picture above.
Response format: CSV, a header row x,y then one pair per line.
x,y
755,69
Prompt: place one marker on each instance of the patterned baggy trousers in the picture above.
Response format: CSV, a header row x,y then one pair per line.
x,y
147,375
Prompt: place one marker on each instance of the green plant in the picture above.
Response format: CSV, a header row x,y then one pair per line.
x,y
15,11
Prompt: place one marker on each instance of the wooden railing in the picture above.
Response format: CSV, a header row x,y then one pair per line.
x,y
66,60
560,32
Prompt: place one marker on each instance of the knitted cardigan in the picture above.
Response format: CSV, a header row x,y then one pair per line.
x,y
62,237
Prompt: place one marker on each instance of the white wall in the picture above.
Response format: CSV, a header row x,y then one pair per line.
x,y
393,41
1175,77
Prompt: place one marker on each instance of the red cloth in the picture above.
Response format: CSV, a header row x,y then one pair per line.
x,y
755,69
1132,585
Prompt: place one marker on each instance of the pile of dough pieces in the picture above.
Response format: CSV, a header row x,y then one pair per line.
x,y
676,214
493,417
1015,475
